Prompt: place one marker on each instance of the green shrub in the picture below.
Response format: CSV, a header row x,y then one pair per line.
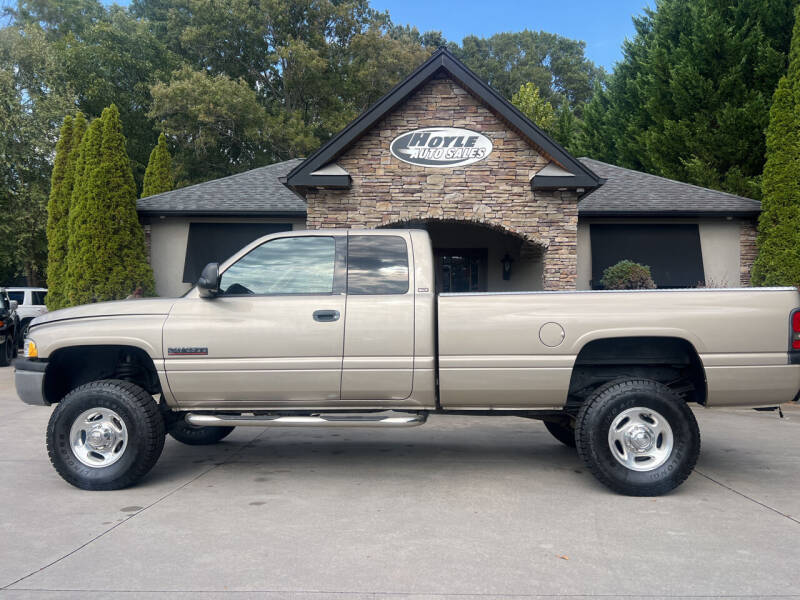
x,y
627,275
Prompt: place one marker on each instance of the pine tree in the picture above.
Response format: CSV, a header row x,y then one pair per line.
x,y
84,234
57,214
778,261
158,176
690,99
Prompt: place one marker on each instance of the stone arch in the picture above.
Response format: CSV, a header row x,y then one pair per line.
x,y
535,247
484,244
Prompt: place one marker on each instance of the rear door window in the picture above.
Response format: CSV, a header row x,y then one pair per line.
x,y
377,264
18,296
39,297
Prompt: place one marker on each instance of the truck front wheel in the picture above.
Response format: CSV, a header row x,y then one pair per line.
x,y
105,435
637,437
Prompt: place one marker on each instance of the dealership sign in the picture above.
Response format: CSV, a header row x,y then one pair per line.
x,y
441,147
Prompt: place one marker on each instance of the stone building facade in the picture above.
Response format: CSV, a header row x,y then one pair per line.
x,y
495,192
518,213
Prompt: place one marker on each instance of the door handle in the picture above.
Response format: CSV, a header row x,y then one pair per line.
x,y
326,316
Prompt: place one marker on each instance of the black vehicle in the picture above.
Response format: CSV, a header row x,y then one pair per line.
x,y
9,328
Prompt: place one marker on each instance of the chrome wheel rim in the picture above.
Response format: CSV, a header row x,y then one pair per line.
x,y
98,437
640,439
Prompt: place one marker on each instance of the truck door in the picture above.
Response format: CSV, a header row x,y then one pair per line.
x,y
273,335
378,360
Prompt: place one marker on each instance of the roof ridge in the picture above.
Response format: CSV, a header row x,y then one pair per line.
x,y
674,181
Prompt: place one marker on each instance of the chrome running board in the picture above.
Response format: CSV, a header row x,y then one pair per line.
x,y
332,420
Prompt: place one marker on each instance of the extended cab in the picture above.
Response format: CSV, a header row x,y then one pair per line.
x,y
335,327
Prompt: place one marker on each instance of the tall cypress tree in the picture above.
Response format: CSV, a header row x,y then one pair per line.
x,y
158,176
67,152
57,213
123,257
778,261
85,236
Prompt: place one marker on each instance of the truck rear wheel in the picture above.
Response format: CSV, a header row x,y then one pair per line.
x,y
105,435
198,436
638,437
563,433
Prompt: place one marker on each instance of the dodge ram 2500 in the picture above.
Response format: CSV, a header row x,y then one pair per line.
x,y
334,328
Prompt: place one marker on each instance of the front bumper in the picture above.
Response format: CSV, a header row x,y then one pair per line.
x,y
29,381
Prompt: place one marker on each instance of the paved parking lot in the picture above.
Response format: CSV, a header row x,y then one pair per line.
x,y
459,508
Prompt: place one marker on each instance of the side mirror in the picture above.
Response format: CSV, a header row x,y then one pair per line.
x,y
14,305
208,284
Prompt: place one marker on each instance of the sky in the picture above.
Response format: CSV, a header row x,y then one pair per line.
x,y
603,25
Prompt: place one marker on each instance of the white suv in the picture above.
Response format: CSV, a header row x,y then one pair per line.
x,y
30,304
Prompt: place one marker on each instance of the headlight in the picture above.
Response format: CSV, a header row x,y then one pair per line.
x,y
30,349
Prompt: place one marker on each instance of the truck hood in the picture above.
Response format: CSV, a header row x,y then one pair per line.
x,y
145,306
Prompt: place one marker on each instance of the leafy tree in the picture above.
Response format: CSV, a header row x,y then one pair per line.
x,y
218,125
158,176
61,186
690,99
536,108
778,261
556,65
32,108
104,55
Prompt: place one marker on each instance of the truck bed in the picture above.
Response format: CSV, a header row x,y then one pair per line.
x,y
507,350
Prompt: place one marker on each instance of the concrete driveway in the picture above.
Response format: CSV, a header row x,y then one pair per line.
x,y
459,508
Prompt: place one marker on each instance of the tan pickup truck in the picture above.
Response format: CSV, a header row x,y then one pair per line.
x,y
336,328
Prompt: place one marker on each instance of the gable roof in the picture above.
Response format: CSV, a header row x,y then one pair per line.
x,y
255,192
629,193
303,175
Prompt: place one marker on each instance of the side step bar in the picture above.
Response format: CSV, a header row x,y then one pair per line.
x,y
305,421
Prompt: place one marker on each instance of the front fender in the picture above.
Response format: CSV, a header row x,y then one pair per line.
x,y
140,331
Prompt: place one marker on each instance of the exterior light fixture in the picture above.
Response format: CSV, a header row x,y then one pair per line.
x,y
506,261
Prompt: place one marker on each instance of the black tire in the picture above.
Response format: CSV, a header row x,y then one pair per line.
x,y
594,423
563,433
198,436
145,434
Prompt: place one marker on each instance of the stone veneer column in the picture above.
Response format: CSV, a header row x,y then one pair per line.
x,y
747,251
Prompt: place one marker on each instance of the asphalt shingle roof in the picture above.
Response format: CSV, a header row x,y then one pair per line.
x,y
258,191
630,193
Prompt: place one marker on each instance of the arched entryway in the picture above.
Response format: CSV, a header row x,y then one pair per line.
x,y
481,257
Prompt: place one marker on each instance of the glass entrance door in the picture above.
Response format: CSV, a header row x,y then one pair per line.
x,y
461,270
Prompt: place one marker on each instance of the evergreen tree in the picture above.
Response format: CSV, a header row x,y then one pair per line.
x,y
690,99
57,213
124,258
107,257
778,261
63,180
158,176
85,236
